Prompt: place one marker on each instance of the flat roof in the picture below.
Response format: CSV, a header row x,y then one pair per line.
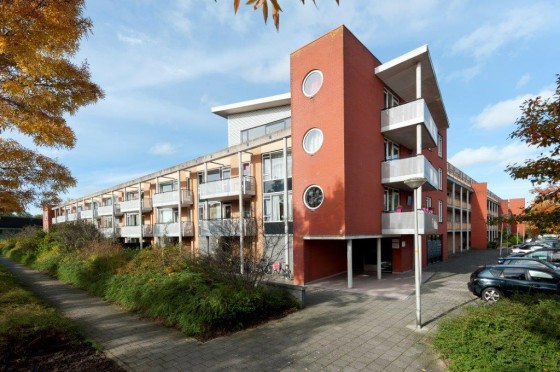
x,y
252,105
399,75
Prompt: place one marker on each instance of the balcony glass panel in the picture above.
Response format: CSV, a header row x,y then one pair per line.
x,y
408,115
227,187
395,172
403,223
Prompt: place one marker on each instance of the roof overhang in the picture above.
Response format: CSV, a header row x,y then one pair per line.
x,y
399,75
252,105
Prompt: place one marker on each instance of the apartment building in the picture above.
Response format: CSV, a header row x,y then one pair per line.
x,y
329,170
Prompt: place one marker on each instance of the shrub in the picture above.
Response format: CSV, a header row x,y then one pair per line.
x,y
517,334
72,236
22,247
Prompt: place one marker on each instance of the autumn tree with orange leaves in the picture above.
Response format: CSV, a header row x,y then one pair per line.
x,y
39,84
274,7
539,126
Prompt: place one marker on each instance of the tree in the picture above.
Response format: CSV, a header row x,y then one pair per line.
x,y
263,4
539,125
39,84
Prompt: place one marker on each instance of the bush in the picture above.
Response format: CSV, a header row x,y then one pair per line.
x,y
518,334
72,236
23,246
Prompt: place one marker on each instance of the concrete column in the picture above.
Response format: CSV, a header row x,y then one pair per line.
x,y
113,217
378,258
140,217
468,221
241,217
453,216
349,262
461,215
285,207
179,203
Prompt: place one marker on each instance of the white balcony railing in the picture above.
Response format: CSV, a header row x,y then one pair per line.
x,y
134,205
226,227
88,213
396,172
172,198
174,229
404,118
403,223
105,210
60,219
53,220
227,188
106,231
134,231
72,217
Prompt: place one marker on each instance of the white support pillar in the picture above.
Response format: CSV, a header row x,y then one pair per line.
x,y
206,208
454,235
468,221
461,215
241,217
179,203
140,219
285,206
378,258
349,262
113,216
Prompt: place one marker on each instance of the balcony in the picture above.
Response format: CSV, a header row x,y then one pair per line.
x,y
227,227
134,231
60,219
173,229
53,220
88,213
72,217
171,198
227,189
402,223
107,232
106,210
399,124
395,172
134,205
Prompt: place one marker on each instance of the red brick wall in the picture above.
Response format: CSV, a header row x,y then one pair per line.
x,y
479,215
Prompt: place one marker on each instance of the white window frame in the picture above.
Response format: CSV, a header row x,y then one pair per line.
x,y
440,211
440,146
440,179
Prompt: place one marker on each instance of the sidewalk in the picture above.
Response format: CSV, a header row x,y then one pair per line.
x,y
336,331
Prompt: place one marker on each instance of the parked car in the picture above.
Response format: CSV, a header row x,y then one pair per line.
x,y
551,255
529,247
496,281
526,261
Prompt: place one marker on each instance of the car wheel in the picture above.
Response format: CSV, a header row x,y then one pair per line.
x,y
491,294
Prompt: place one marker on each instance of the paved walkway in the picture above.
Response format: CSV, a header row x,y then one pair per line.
x,y
338,330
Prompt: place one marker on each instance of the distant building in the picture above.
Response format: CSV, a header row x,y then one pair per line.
x,y
326,168
10,225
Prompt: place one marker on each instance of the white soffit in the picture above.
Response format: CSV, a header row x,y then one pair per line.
x,y
252,105
399,75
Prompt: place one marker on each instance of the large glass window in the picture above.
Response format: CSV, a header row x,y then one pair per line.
x,y
274,207
391,199
312,83
214,210
273,165
390,99
167,215
391,150
168,186
132,219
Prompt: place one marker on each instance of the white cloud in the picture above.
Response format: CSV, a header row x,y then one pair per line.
x,y
517,24
131,37
486,155
523,81
163,149
504,113
466,74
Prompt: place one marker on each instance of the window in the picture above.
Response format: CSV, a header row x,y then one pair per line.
x,y
440,145
440,179
312,83
167,215
313,197
263,130
541,276
391,199
514,273
168,186
132,219
273,165
440,211
131,195
313,140
105,202
428,202
214,210
246,169
391,150
390,99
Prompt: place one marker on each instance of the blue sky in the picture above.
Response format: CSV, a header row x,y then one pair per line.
x,y
164,64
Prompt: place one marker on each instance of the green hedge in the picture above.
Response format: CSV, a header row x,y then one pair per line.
x,y
162,284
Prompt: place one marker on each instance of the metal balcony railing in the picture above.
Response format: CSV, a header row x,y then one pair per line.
x,y
403,223
227,227
172,198
227,188
134,205
395,172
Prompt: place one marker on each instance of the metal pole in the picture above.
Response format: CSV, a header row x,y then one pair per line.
x,y
349,262
418,263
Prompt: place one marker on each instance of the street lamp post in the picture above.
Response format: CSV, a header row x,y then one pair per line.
x,y
415,184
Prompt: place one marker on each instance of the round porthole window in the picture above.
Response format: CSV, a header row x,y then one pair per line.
x,y
313,197
313,140
312,83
